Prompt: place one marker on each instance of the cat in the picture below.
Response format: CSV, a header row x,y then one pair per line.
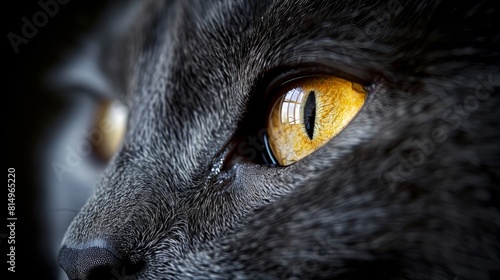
x,y
409,189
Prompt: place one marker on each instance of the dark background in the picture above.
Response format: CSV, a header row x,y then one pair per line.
x,y
31,108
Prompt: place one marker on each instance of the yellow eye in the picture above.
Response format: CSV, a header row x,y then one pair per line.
x,y
109,129
310,113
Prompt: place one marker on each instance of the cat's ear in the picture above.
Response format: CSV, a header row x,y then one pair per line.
x,y
102,63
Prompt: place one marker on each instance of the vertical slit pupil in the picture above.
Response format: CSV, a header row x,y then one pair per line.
x,y
310,114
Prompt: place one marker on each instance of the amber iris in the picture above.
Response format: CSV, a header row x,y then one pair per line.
x,y
311,111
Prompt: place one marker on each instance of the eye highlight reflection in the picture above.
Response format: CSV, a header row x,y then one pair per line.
x,y
291,105
310,113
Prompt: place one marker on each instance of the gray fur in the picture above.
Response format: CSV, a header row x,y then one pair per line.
x,y
363,206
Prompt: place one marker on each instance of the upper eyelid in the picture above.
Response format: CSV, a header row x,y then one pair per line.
x,y
293,72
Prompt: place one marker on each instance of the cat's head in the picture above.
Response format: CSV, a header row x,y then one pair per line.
x,y
408,189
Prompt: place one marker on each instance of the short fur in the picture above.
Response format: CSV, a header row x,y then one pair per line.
x,y
409,190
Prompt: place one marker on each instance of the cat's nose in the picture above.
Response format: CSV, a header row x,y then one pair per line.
x,y
91,263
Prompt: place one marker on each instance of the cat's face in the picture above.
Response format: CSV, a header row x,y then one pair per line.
x,y
408,189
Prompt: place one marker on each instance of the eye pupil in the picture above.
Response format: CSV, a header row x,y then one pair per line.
x,y
310,114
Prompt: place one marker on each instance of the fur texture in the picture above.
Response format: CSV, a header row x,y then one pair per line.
x,y
409,190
